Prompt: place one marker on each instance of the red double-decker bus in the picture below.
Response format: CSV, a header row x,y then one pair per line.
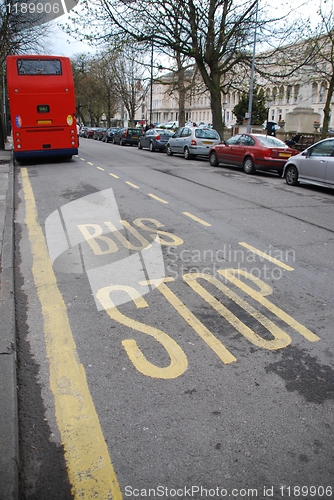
x,y
42,106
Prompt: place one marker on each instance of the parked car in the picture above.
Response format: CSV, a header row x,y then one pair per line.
x,y
89,132
315,165
126,136
172,124
109,134
252,152
98,133
155,138
82,131
192,142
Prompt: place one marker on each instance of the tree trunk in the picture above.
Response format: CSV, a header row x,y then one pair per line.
x,y
327,108
182,100
2,129
212,83
217,111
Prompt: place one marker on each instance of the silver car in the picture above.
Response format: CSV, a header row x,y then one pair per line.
x,y
192,142
315,165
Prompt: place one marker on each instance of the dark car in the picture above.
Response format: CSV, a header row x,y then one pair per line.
x,y
109,134
155,139
315,165
98,133
126,136
252,152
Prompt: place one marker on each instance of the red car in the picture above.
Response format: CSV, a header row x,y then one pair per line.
x,y
252,152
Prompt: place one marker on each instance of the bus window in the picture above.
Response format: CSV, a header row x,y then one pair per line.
x,y
39,67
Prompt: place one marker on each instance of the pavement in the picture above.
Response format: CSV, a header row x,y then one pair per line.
x,y
9,454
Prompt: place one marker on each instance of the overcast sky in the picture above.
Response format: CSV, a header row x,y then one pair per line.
x,y
63,45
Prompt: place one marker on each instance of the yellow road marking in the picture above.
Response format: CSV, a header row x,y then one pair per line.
x,y
113,175
212,341
281,338
132,185
178,360
230,275
266,256
83,159
157,198
100,168
90,163
201,221
90,471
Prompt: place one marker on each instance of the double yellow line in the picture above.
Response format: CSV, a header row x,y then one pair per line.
x,y
89,467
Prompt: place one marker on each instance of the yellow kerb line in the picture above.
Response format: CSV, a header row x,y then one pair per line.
x,y
132,185
157,198
266,256
200,221
90,471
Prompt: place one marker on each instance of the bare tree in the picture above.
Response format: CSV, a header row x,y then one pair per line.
x,y
87,89
323,61
218,35
20,32
130,77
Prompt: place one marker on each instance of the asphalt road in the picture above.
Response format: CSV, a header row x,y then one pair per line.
x,y
185,352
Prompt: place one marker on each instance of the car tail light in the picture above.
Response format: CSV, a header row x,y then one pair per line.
x,y
158,137
126,133
193,142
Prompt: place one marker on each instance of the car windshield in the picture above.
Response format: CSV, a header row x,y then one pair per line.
x,y
163,131
133,131
206,133
271,142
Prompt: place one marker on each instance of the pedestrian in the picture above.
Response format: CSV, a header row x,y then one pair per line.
x,y
77,126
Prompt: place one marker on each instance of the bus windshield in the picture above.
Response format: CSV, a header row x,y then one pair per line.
x,y
39,67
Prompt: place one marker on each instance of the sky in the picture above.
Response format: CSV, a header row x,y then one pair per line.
x,y
60,44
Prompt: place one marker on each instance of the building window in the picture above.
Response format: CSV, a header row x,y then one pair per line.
x,y
296,93
281,95
314,92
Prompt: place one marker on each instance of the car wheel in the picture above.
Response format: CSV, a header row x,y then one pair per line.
x,y
139,145
213,159
121,143
291,175
169,151
113,140
248,165
187,154
152,148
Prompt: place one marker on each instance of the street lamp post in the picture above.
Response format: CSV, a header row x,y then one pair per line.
x,y
151,89
251,86
268,104
224,115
